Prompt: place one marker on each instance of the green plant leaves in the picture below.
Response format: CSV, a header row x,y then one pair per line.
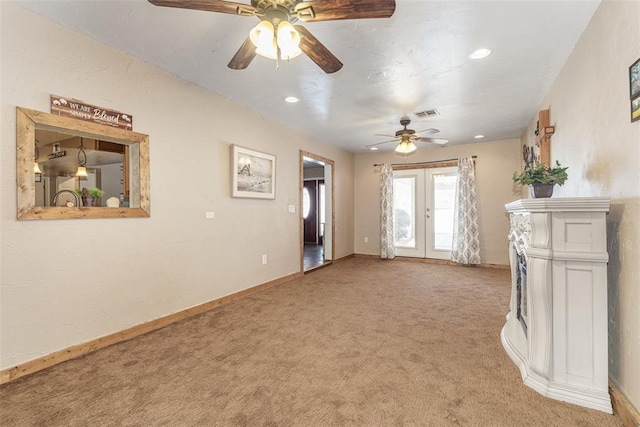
x,y
542,174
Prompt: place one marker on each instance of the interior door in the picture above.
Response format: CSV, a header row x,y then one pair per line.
x,y
423,212
310,214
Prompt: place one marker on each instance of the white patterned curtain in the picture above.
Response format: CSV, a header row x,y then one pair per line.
x,y
466,236
387,249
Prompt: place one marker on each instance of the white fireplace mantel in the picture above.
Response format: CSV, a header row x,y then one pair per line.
x,y
556,331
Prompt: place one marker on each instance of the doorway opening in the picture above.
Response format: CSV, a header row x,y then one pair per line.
x,y
317,230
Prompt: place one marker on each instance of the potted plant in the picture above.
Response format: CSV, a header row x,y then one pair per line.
x,y
541,178
95,194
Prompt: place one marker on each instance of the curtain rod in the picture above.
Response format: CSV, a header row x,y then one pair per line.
x,y
423,163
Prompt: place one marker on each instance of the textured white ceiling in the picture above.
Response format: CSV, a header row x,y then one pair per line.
x,y
414,61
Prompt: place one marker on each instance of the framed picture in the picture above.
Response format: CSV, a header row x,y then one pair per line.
x,y
38,177
634,79
253,173
635,109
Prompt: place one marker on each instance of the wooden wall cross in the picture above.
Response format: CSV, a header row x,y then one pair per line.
x,y
543,137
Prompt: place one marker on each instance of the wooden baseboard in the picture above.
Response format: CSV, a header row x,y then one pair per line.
x,y
344,258
622,408
26,368
436,261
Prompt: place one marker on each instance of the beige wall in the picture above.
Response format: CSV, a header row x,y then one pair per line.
x,y
101,276
589,105
495,164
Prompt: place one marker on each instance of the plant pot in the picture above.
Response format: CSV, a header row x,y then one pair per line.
x,y
539,191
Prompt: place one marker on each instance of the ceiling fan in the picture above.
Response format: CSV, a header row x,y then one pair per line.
x,y
276,37
407,138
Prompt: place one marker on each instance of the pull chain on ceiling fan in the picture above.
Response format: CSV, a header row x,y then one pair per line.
x,y
276,37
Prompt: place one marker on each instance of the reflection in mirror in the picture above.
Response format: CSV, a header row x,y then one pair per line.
x,y
86,170
61,157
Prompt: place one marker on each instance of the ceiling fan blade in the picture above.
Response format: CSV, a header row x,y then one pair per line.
x,y
243,56
209,6
380,143
439,141
382,134
332,10
317,51
429,131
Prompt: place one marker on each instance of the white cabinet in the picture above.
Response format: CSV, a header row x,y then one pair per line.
x,y
556,330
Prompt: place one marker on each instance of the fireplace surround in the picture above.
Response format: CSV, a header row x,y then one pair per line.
x,y
556,330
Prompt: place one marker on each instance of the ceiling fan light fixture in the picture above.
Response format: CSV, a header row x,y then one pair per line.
x,y
262,38
288,41
406,147
269,43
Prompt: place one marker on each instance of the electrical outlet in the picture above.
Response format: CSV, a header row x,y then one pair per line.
x,y
210,215
366,240
292,208
264,259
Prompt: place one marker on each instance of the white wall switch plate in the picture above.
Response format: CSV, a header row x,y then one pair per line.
x,y
292,208
264,259
210,215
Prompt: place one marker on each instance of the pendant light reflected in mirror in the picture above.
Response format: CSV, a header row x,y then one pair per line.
x,y
36,167
82,161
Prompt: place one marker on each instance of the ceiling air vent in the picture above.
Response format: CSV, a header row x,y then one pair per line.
x,y
427,113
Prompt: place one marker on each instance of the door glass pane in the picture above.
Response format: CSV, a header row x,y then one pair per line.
x,y
444,193
404,211
322,210
306,203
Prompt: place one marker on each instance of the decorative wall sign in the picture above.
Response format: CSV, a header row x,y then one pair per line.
x,y
253,173
57,154
635,109
77,109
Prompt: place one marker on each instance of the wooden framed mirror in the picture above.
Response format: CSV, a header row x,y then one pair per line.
x,y
60,143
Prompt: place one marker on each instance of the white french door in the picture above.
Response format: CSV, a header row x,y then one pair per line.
x,y
423,203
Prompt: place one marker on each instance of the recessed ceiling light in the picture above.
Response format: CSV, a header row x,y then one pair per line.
x,y
479,136
373,148
480,53
291,99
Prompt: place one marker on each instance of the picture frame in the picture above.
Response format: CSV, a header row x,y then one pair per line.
x,y
635,109
253,173
634,79
38,177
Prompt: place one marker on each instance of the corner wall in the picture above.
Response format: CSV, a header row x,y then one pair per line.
x,y
495,164
589,106
65,282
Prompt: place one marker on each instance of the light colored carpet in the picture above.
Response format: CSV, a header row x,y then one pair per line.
x,y
360,343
